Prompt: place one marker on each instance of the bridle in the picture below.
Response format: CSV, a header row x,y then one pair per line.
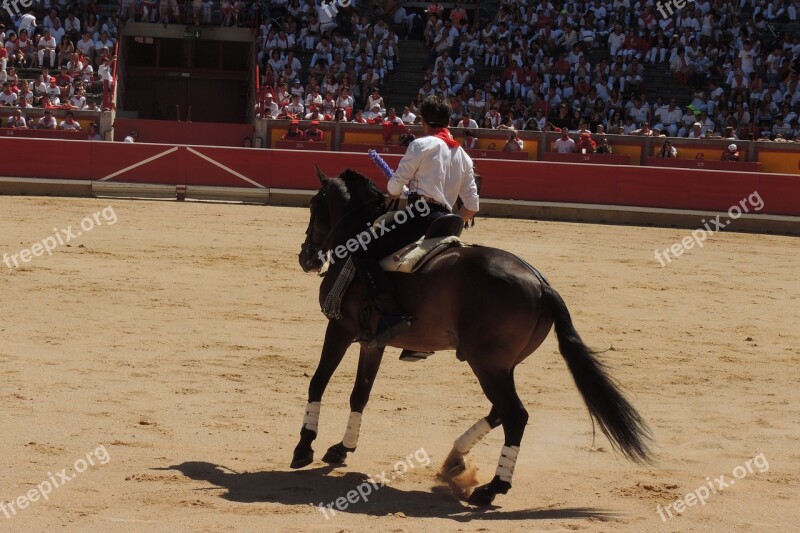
x,y
310,247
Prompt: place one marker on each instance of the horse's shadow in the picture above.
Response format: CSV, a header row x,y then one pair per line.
x,y
315,487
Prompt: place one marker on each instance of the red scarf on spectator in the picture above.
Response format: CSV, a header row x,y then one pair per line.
x,y
444,134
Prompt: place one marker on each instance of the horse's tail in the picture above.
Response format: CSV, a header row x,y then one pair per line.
x,y
617,418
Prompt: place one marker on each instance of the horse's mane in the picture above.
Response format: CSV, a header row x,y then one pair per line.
x,y
359,192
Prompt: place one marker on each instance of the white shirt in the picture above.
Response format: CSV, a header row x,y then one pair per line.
x,y
430,168
27,22
563,146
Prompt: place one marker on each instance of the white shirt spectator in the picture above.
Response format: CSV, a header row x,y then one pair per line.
x,y
64,125
78,102
8,99
72,24
27,22
408,118
564,146
48,122
86,46
748,58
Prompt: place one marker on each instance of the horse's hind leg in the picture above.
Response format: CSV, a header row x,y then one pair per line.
x,y
369,361
337,340
498,385
455,463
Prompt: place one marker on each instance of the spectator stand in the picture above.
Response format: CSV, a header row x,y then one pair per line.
x,y
774,157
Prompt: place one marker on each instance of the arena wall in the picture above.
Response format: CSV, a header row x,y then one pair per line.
x,y
514,188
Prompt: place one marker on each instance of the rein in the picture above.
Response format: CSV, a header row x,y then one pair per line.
x,y
393,204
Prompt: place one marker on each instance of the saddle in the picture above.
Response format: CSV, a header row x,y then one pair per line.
x,y
443,233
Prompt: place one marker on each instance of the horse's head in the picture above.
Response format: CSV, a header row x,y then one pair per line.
x,y
340,209
319,226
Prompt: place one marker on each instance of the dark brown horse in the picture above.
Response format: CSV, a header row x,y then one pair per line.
x,y
489,305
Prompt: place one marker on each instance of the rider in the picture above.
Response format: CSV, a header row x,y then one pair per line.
x,y
437,171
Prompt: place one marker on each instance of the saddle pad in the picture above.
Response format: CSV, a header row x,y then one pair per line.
x,y
422,248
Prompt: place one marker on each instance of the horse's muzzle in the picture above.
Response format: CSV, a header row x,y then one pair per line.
x,y
309,258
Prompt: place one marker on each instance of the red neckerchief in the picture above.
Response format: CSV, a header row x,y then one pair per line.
x,y
444,134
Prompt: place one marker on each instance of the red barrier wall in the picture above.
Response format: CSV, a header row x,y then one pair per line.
x,y
44,134
174,132
292,169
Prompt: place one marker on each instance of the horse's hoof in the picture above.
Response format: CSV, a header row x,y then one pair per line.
x,y
454,465
303,456
337,454
482,496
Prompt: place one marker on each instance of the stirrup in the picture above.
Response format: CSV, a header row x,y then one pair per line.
x,y
412,356
389,328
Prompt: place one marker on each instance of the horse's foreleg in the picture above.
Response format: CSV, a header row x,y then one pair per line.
x,y
369,361
337,340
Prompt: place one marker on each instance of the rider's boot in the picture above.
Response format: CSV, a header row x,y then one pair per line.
x,y
392,321
412,356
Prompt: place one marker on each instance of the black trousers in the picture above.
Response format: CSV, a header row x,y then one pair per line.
x,y
407,226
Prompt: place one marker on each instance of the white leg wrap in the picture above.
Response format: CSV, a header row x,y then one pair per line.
x,y
311,420
505,466
470,438
350,439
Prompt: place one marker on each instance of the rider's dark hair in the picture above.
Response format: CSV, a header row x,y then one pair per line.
x,y
436,112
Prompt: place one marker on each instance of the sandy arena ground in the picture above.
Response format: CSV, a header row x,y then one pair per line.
x,y
176,345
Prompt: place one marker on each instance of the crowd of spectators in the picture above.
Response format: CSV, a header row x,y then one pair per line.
x,y
352,56
740,74
226,13
66,53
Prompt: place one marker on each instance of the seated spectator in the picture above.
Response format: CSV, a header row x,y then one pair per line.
x,y
470,142
17,120
667,150
467,122
408,117
697,131
294,132
669,118
48,121
269,108
314,133
564,144
604,147
644,129
78,101
731,153
69,123
374,114
94,134
375,99
514,143
585,144
781,128
358,117
494,117
8,98
295,108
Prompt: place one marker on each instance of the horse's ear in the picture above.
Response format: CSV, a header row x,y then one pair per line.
x,y
323,179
